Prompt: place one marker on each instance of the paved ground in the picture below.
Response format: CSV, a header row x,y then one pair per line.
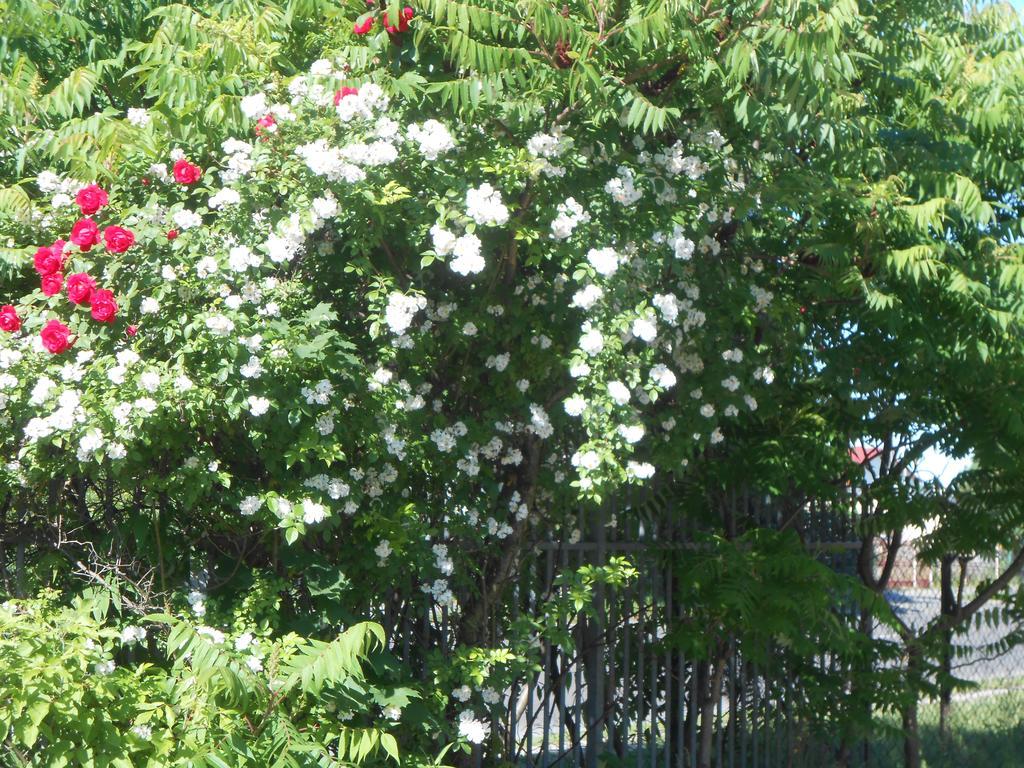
x,y
918,607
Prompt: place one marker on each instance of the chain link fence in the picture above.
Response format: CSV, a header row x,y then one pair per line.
x,y
974,716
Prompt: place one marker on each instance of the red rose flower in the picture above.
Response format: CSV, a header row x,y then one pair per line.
x,y
186,173
85,234
56,337
265,123
131,330
9,320
118,239
90,199
80,288
104,308
51,284
365,27
171,234
408,13
47,262
345,91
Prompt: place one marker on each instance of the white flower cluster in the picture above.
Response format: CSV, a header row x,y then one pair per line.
x,y
540,424
762,298
401,310
50,183
68,413
327,161
250,505
432,139
308,511
605,261
132,634
682,246
662,376
375,153
320,394
587,296
471,729
622,188
138,117
220,325
197,594
588,460
242,258
254,105
287,241
465,249
239,162
445,439
362,105
258,406
485,207
570,215
639,470
439,589
591,340
547,146
186,219
674,162
323,208
224,197
645,328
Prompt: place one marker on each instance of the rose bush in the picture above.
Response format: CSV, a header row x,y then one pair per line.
x,y
391,340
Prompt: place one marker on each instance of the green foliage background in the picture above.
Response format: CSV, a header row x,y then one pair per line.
x,y
884,144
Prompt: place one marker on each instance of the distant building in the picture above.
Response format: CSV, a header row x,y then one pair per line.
x,y
910,571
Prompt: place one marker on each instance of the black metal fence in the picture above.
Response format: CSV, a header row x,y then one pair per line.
x,y
614,693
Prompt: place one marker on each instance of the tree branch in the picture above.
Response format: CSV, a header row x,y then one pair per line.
x,y
950,621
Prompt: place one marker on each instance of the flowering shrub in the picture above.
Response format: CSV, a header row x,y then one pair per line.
x,y
362,323
585,345
421,307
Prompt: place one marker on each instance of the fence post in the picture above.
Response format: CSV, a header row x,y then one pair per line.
x,y
594,654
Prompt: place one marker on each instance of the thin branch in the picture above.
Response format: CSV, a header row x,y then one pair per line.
x,y
993,589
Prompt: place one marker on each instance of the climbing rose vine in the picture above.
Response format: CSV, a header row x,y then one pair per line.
x,y
382,341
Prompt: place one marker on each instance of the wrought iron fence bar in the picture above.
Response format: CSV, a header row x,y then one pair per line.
x,y
667,739
644,547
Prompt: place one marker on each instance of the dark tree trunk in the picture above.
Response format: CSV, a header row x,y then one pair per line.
x,y
709,699
673,722
700,672
949,605
911,732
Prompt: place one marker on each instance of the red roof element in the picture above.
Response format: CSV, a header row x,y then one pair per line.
x,y
860,455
